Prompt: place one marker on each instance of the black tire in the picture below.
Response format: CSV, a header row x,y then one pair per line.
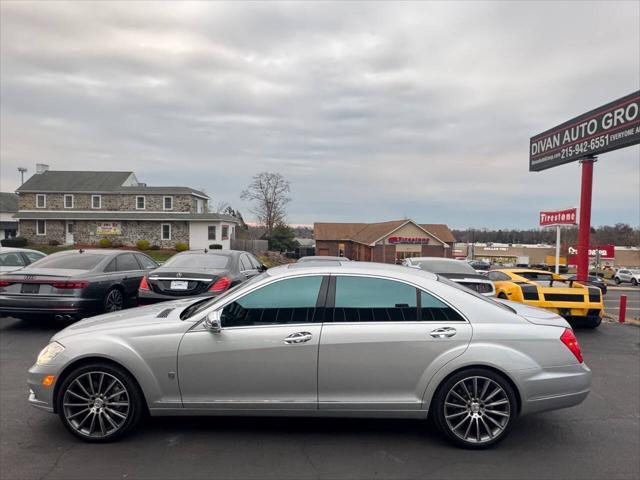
x,y
444,422
616,280
113,300
634,282
592,322
503,296
131,392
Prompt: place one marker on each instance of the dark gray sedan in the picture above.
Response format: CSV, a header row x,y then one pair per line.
x,y
198,273
74,284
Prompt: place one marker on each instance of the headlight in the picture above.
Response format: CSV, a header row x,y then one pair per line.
x,y
48,353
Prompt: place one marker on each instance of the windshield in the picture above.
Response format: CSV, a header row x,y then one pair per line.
x,y
475,294
205,260
202,305
444,266
542,278
78,261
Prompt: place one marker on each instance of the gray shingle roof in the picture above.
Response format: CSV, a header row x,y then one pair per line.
x,y
68,181
8,202
114,216
95,182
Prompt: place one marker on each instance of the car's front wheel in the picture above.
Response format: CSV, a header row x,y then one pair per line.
x,y
634,282
99,402
475,408
617,280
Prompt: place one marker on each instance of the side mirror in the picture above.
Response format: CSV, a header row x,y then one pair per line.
x,y
262,268
213,323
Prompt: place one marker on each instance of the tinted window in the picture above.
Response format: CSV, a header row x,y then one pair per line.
x,y
33,256
12,259
288,301
360,299
245,264
126,262
254,261
498,276
77,261
444,266
146,262
432,309
111,266
200,261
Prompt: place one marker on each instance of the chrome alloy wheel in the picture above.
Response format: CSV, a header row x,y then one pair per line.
x,y
96,404
477,409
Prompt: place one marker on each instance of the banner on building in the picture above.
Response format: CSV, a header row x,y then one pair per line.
x,y
109,228
408,240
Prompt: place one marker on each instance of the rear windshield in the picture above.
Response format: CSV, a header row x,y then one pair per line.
x,y
443,266
205,260
475,294
77,261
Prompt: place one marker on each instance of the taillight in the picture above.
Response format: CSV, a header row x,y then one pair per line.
x,y
221,285
144,284
71,285
571,342
6,283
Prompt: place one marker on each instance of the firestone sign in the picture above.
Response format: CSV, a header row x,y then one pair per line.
x,y
612,126
559,217
607,252
408,240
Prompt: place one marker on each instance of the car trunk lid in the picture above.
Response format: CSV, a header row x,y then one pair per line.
x,y
183,282
535,315
43,281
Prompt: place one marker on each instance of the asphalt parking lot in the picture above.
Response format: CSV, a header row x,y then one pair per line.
x,y
597,439
612,301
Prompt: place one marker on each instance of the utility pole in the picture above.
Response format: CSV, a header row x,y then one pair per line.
x,y
22,171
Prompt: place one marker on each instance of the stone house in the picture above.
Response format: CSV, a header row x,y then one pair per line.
x,y
8,208
386,242
82,207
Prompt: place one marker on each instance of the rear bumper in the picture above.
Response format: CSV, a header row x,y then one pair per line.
x,y
17,306
554,387
146,297
566,309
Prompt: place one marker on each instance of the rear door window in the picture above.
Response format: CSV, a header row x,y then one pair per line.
x,y
146,262
11,259
126,262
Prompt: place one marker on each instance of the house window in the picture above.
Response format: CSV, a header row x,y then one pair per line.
x,y
41,200
41,227
168,203
225,232
140,202
68,201
166,231
211,232
96,201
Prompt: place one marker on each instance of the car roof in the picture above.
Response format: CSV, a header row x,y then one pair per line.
x,y
330,267
444,259
521,270
320,258
14,249
226,253
93,251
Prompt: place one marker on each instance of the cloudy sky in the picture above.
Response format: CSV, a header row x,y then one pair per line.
x,y
373,111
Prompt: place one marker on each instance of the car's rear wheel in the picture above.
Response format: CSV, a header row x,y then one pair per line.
x,y
592,322
113,300
616,280
634,282
99,402
475,408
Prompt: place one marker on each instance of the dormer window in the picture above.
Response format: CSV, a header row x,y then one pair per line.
x,y
167,203
68,201
41,200
140,202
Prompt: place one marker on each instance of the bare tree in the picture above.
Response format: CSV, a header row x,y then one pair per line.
x,y
222,206
270,192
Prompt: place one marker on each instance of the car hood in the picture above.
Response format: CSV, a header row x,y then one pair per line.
x,y
535,315
129,318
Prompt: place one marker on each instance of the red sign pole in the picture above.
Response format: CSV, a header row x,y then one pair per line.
x,y
584,227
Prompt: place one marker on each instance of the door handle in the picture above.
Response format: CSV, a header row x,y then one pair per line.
x,y
444,332
298,337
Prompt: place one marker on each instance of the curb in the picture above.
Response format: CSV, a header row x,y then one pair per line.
x,y
623,289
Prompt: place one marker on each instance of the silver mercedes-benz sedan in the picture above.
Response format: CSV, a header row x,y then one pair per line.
x,y
319,339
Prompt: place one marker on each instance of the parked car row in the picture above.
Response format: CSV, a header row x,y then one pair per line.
x,y
74,284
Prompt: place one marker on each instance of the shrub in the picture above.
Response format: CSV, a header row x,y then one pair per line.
x,y
181,247
143,244
154,247
14,242
54,243
104,243
215,246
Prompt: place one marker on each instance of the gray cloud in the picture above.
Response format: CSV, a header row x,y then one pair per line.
x,y
373,110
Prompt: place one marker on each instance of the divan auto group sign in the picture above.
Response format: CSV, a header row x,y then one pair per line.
x,y
612,126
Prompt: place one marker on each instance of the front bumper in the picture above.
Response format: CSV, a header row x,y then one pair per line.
x,y
146,297
39,395
28,305
552,388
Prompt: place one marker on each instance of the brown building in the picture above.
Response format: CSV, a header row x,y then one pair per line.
x,y
386,242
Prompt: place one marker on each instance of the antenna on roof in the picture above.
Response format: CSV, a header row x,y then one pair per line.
x,y
22,171
205,250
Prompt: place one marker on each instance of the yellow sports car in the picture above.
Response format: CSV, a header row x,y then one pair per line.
x,y
569,299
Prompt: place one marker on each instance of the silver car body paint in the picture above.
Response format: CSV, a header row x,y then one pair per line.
x,y
376,369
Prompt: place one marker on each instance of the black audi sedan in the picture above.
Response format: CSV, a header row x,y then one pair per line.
x,y
74,284
198,273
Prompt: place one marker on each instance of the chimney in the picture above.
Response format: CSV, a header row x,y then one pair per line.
x,y
42,167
